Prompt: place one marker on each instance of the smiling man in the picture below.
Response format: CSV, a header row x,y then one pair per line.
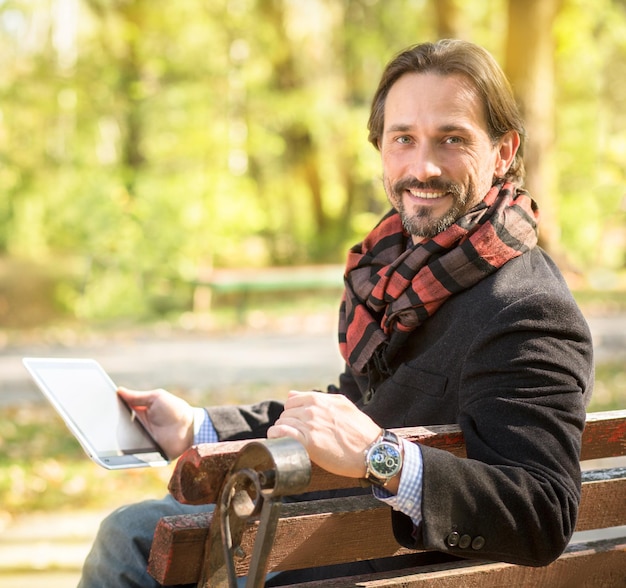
x,y
438,158
451,314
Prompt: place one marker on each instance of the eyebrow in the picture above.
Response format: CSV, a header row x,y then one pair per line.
x,y
398,128
448,128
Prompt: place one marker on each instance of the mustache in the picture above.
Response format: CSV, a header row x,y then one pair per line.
x,y
432,186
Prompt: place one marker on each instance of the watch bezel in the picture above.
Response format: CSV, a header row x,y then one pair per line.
x,y
390,441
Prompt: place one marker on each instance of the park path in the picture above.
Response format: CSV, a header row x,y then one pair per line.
x,y
197,364
193,364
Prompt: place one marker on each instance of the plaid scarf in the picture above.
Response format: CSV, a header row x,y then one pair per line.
x,y
392,288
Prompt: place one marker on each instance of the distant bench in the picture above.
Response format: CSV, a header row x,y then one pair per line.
x,y
246,480
247,281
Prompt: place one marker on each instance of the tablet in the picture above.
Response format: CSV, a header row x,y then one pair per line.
x,y
85,397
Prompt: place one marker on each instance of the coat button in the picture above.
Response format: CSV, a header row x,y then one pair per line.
x,y
453,539
478,543
465,541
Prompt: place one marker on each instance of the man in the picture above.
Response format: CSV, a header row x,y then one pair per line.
x,y
451,314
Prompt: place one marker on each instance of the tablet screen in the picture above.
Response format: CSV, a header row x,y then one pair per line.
x,y
86,397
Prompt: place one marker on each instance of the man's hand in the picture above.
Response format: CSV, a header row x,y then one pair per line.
x,y
333,430
168,418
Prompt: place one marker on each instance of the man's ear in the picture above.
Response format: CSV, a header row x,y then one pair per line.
x,y
507,148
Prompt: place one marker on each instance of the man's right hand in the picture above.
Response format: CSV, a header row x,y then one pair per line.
x,y
168,418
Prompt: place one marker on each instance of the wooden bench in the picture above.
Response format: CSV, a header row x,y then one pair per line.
x,y
338,530
242,284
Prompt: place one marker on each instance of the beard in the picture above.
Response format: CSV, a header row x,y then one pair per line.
x,y
419,221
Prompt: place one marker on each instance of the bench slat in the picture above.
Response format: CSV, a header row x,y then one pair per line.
x,y
304,528
604,435
200,472
177,551
595,564
603,502
301,538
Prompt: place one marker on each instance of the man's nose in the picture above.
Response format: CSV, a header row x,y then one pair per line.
x,y
424,163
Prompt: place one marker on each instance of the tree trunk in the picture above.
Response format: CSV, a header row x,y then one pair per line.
x,y
530,68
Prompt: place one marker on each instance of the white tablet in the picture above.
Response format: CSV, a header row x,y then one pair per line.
x,y
85,397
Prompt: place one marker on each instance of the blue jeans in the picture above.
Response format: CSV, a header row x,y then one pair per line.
x,y
119,555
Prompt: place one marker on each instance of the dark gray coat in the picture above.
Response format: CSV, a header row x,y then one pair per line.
x,y
510,361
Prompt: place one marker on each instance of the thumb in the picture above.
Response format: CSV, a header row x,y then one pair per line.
x,y
137,399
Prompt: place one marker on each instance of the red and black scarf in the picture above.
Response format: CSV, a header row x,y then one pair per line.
x,y
391,289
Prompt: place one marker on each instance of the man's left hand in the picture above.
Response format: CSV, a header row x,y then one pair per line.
x,y
332,429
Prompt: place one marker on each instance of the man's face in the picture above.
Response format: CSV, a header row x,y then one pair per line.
x,y
438,160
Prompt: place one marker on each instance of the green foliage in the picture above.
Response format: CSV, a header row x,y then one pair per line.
x,y
145,141
591,131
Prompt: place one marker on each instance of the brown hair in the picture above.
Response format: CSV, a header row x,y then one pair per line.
x,y
447,57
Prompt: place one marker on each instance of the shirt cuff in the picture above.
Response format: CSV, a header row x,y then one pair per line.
x,y
203,429
408,500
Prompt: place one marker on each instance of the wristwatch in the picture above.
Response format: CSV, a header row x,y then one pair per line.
x,y
383,459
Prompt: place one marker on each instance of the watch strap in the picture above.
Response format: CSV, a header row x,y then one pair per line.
x,y
388,437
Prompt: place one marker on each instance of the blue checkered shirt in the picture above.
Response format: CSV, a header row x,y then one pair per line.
x,y
203,429
408,500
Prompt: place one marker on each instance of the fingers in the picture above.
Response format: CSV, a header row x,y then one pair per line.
x,y
295,420
306,403
284,429
296,398
302,410
168,418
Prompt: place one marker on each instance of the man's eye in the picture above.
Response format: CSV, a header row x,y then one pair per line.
x,y
404,140
453,140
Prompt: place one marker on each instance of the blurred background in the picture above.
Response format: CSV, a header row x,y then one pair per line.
x,y
181,181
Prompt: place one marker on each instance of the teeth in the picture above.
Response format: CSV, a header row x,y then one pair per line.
x,y
427,195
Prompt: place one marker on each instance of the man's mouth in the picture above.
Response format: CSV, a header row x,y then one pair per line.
x,y
426,195
434,190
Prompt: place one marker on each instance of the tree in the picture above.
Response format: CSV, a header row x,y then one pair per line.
x,y
530,53
145,139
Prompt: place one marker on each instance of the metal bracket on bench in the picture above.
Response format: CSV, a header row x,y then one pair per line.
x,y
263,472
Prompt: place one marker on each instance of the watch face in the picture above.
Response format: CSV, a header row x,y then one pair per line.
x,y
384,460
